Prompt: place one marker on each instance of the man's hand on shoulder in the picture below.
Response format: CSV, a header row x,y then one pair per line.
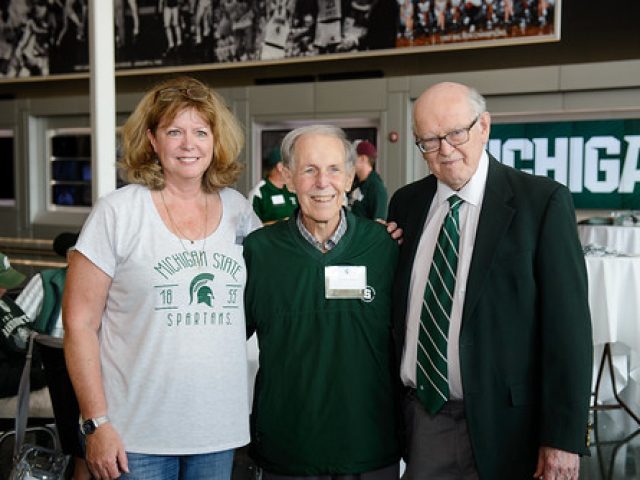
x,y
555,464
393,230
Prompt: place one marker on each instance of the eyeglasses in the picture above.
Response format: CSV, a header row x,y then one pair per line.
x,y
454,138
170,94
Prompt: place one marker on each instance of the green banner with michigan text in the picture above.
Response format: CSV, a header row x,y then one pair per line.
x,y
598,160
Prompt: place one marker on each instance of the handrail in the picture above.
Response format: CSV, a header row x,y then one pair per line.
x,y
39,244
32,254
39,263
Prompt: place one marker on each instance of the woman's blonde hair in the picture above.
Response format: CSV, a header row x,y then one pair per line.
x,y
161,105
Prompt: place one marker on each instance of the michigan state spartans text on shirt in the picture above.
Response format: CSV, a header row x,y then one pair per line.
x,y
210,296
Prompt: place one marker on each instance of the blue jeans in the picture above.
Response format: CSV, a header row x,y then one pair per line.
x,y
213,466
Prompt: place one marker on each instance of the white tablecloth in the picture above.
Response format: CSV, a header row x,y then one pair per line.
x,y
615,238
614,299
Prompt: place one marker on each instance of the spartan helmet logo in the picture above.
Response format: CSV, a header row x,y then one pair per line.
x,y
200,290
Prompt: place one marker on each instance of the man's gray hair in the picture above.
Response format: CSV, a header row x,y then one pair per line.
x,y
289,144
477,101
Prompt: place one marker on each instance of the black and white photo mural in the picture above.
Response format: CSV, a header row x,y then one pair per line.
x,y
43,37
40,38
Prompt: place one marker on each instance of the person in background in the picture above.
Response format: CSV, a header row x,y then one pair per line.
x,y
41,298
41,301
320,303
491,311
10,278
172,28
12,362
271,199
120,23
368,198
76,11
155,338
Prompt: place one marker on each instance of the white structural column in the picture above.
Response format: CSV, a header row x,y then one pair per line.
x,y
103,96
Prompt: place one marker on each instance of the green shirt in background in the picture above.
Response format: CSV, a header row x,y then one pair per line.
x,y
272,203
369,198
325,400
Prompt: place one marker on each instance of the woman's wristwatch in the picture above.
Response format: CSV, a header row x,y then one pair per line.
x,y
88,426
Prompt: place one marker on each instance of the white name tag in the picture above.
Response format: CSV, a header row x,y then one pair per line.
x,y
345,281
277,199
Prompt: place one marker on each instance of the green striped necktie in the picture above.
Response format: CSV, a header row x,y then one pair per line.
x,y
431,371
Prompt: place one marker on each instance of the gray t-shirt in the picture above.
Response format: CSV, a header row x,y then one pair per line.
x,y
172,340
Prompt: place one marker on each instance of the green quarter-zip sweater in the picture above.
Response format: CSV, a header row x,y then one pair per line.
x,y
324,400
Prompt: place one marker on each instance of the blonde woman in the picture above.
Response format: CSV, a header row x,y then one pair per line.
x,y
153,312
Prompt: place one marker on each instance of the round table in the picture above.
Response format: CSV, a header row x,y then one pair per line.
x,y
614,284
616,238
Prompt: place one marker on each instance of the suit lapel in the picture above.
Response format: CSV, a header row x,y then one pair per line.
x,y
495,217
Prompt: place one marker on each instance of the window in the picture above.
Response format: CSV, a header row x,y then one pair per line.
x,y
69,176
69,167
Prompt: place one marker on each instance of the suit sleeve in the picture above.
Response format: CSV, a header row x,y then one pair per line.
x,y
567,348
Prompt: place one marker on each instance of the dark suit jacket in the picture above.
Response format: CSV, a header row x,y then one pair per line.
x,y
525,341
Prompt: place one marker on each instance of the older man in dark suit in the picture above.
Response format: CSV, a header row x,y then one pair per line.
x,y
492,321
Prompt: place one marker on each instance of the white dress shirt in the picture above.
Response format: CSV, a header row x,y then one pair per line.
x,y
472,194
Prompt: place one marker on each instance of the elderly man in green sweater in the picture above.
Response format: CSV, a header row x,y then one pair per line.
x,y
320,302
